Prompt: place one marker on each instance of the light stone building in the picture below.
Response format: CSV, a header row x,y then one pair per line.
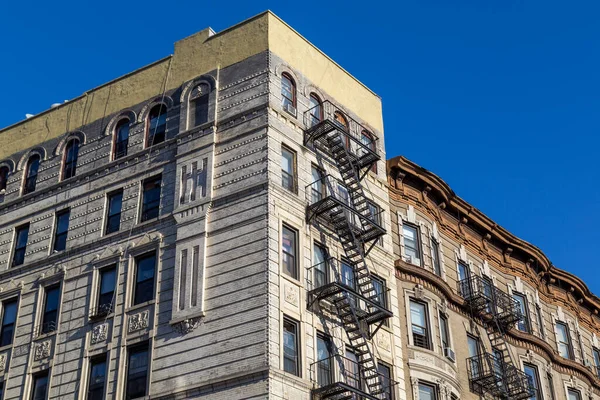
x,y
483,312
212,225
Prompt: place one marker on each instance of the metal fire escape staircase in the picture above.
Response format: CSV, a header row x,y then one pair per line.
x,y
494,373
343,207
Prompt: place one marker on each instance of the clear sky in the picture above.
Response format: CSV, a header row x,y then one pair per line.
x,y
501,99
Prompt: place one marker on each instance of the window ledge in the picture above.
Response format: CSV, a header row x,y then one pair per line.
x,y
141,305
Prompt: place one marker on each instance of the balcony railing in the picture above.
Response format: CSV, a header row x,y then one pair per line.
x,y
490,374
326,118
339,377
329,200
486,299
326,283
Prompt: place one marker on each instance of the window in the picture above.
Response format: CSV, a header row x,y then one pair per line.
x,y
351,367
320,266
290,347
156,125
61,230
374,213
380,291
288,94
31,174
574,394
199,105
427,391
121,138
113,218
473,350
151,198
348,277
50,317
596,354
366,138
316,110
288,169
137,371
70,160
488,291
317,187
324,361
565,349
551,385
342,123
40,386
143,289
9,318
3,178
534,381
106,290
523,323
463,271
97,378
420,327
412,250
435,257
540,320
21,236
385,373
444,332
289,247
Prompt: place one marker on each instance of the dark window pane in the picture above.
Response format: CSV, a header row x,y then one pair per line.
x,y
71,155
144,279
108,278
151,199
113,220
288,248
50,317
3,178
288,177
290,347
121,139
97,379
21,237
137,371
157,125
62,230
9,317
33,166
40,386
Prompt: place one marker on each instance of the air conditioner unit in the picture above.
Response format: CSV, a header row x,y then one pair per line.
x,y
449,353
412,260
290,109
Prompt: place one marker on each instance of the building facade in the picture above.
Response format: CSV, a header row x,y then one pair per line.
x,y
212,225
483,312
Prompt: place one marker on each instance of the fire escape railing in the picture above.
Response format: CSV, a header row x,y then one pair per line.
x,y
495,372
340,377
343,207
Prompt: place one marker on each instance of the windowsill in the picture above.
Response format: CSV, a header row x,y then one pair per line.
x,y
96,318
42,336
295,281
139,306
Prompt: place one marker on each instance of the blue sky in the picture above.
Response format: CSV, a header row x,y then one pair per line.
x,y
501,99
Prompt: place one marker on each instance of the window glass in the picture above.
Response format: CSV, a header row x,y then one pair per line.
x,y
427,392
564,341
113,219
288,177
33,166
523,323
108,279
348,277
21,236
540,319
445,334
157,125
463,271
321,267
532,378
71,154
3,178
121,138
40,386
411,243
290,347
137,372
9,317
288,248
288,92
324,365
199,113
62,230
151,199
50,317
351,367
418,318
386,379
435,257
97,378
317,186
316,110
144,279
574,394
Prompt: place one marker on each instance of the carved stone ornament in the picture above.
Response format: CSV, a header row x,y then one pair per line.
x,y
99,333
419,293
187,325
42,350
291,296
383,341
138,321
2,362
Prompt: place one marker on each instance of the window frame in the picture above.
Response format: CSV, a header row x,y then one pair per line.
x,y
57,238
297,362
136,286
419,248
295,235
315,119
197,101
109,216
550,380
596,357
525,311
132,349
436,262
149,136
144,205
389,390
568,343
69,160
574,391
293,177
433,386
120,148
13,325
45,374
444,332
20,249
4,174
101,358
326,373
294,91
537,383
48,326
103,308
29,177
427,328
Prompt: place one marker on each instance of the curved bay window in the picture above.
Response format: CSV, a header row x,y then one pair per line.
x,y
3,178
70,160
316,110
31,173
121,140
156,125
198,111
288,93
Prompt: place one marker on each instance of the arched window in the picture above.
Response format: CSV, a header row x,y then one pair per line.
x,y
3,178
288,94
156,125
367,139
70,160
31,173
316,110
198,112
343,123
121,139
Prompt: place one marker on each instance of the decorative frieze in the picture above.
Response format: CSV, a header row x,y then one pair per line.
x,y
138,321
187,325
42,350
99,333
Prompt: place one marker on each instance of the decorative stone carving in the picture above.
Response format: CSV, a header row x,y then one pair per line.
x,y
42,350
383,341
415,386
138,321
462,253
99,333
291,295
444,307
411,216
187,325
2,362
529,355
419,292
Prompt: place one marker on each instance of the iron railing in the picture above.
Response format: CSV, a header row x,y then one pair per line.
x,y
488,373
340,377
102,310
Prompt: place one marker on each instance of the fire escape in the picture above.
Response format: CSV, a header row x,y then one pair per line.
x,y
494,373
351,296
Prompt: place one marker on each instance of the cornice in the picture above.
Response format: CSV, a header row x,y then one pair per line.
x,y
474,217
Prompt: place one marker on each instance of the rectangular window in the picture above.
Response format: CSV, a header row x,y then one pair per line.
x,y
291,361
61,230
596,354
137,371
380,294
40,386
574,394
320,270
289,248
534,381
444,332
412,248
540,320
324,361
351,370
317,187
51,303
106,290
113,217
565,348
348,277
145,267
463,271
385,372
551,385
151,198
21,236
523,323
288,169
9,318
419,324
427,391
97,378
435,257
473,350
